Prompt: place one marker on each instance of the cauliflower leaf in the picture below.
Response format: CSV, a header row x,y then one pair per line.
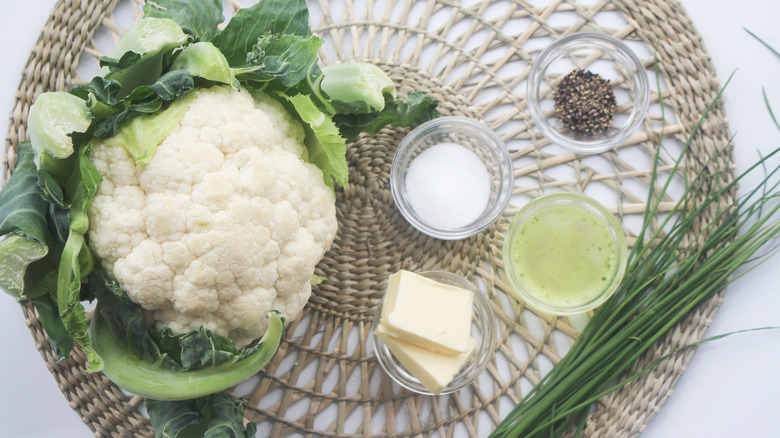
x,y
326,146
287,58
76,260
216,415
144,133
153,380
205,61
356,87
52,119
197,349
139,57
415,109
277,17
199,19
22,205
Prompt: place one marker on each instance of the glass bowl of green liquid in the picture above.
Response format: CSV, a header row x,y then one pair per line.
x,y
564,253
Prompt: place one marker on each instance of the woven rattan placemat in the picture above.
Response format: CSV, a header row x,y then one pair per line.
x,y
473,57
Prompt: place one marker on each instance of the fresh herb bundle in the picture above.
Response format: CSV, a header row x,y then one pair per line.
x,y
665,280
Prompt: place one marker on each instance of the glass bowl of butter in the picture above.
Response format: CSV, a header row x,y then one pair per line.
x,y
434,332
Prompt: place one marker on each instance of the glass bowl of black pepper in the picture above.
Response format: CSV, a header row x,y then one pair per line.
x,y
588,92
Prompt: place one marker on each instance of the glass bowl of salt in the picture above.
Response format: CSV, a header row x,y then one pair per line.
x,y
451,177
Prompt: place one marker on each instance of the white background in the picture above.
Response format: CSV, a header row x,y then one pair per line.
x,y
730,389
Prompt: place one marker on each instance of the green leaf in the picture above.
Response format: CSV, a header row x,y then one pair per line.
x,y
81,190
16,254
141,136
49,316
357,87
58,221
147,99
101,95
68,288
53,117
138,58
123,317
152,380
22,206
218,415
167,87
178,418
76,259
99,88
197,349
414,110
198,18
201,348
326,147
117,65
50,186
277,17
148,37
205,61
227,418
286,58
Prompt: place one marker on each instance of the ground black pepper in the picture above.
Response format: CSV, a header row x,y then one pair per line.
x,y
585,103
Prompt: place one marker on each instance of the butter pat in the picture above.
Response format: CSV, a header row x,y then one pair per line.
x,y
428,314
432,369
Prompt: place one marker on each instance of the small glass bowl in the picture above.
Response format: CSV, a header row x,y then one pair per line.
x,y
582,257
601,54
483,329
477,138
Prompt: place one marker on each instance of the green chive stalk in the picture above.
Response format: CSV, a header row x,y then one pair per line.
x,y
665,280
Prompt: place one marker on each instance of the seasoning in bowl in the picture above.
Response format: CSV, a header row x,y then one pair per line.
x,y
448,185
585,103
451,177
587,92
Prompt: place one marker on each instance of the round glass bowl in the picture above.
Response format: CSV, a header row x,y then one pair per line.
x,y
564,253
450,194
600,54
483,330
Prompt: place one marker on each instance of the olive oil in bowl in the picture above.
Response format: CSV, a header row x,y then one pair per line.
x,y
564,253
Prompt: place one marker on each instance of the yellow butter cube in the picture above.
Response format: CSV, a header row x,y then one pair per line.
x,y
429,314
432,369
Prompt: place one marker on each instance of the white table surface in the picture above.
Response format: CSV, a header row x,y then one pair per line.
x,y
731,387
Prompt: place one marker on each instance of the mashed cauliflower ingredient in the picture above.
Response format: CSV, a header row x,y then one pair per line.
x,y
223,225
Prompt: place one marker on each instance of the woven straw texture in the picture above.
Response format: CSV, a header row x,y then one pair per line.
x,y
474,58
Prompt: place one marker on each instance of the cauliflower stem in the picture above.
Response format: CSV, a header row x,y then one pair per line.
x,y
152,380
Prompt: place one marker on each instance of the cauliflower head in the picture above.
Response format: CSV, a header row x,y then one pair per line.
x,y
224,224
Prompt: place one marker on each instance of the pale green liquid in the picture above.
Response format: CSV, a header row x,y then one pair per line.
x,y
564,255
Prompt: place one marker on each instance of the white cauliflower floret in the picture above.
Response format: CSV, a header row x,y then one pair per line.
x,y
223,225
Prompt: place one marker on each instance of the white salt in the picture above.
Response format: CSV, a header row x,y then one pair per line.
x,y
448,186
